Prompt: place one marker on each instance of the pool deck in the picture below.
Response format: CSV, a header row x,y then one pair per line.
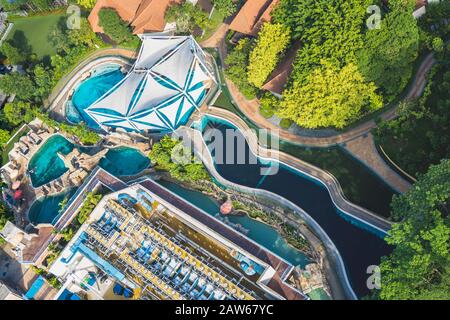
x,y
36,253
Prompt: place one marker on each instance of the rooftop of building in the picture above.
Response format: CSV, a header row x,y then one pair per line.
x,y
152,241
252,15
143,15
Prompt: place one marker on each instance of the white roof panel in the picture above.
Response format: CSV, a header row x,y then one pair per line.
x,y
119,98
153,94
149,121
176,68
165,84
153,49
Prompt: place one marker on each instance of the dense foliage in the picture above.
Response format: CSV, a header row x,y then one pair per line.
x,y
225,7
389,53
419,266
327,29
187,17
237,62
117,29
272,41
87,3
329,97
420,136
189,170
334,36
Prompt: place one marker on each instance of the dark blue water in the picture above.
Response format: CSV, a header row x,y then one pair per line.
x,y
358,247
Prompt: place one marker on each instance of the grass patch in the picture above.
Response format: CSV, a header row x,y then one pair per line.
x,y
34,31
213,25
285,124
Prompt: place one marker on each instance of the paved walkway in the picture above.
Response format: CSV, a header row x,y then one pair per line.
x,y
363,148
354,138
358,141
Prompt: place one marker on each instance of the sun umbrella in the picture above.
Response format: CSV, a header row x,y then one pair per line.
x,y
18,194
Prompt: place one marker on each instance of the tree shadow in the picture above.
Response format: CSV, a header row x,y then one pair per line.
x,y
20,41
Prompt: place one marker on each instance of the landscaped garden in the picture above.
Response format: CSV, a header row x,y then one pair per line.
x,y
35,32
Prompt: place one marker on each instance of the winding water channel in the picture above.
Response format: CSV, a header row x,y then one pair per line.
x,y
359,245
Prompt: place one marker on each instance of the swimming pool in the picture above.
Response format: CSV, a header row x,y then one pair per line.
x,y
90,90
46,209
124,161
45,165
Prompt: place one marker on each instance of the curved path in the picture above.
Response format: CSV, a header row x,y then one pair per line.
x,y
332,262
251,107
324,177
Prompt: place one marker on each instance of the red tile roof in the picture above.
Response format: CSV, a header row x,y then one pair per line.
x,y
280,75
253,14
143,15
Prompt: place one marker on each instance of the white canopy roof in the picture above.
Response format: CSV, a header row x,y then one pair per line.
x,y
168,81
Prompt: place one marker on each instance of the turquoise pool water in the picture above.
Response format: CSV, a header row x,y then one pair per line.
x,y
35,287
46,209
255,230
45,165
89,91
124,161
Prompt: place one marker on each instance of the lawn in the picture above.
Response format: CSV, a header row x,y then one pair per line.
x,y
34,32
213,25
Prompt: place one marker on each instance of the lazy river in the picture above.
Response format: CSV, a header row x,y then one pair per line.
x,y
359,245
260,232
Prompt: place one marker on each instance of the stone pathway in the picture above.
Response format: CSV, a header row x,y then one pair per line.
x,y
354,138
363,148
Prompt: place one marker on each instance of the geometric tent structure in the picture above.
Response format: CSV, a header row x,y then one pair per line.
x,y
167,83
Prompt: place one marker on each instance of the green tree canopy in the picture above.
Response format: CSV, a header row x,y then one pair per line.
x,y
225,7
328,29
389,53
237,62
113,25
18,84
329,97
187,17
13,54
87,3
272,41
16,111
163,153
419,266
4,136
